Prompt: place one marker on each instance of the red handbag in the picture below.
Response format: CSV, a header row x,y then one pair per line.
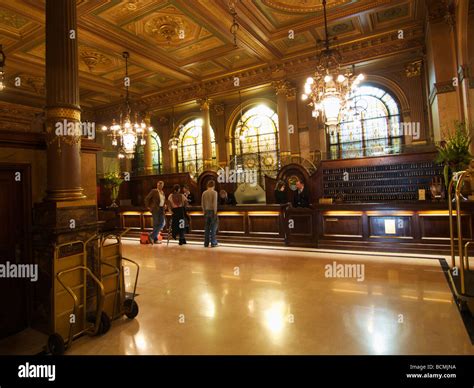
x,y
144,238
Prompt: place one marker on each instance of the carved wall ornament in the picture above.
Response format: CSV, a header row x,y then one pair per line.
x,y
291,94
219,109
33,83
92,59
281,87
413,69
441,10
166,28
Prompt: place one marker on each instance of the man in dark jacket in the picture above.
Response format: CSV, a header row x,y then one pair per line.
x,y
301,197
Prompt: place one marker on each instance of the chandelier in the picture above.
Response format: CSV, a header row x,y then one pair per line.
x,y
330,88
2,63
125,133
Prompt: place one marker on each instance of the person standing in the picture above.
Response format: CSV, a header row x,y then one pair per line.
x,y
155,201
177,203
209,207
189,196
301,197
226,199
281,196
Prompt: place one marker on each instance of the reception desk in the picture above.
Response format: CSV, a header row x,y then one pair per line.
x,y
421,227
416,227
258,224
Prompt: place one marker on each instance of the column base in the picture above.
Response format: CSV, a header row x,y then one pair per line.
x,y
52,226
65,195
208,163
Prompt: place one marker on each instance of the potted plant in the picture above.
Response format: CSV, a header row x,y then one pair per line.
x,y
454,151
112,181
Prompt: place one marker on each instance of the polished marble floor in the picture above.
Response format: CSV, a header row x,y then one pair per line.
x,y
235,300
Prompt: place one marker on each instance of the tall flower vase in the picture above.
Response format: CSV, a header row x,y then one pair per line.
x,y
114,191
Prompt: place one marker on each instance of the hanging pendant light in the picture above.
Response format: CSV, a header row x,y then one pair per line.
x,y
330,88
2,64
242,132
174,141
127,134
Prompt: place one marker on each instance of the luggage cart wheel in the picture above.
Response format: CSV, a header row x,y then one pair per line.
x,y
56,345
131,308
462,305
104,324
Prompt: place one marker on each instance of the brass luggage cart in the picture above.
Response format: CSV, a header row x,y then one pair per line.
x,y
70,273
462,277
117,301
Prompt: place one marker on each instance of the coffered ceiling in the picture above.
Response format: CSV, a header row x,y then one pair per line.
x,y
177,43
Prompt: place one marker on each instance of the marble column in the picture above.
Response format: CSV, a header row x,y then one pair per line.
x,y
293,121
65,216
221,140
281,88
148,153
206,133
62,102
444,99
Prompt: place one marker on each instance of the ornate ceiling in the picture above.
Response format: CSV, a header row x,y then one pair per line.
x,y
177,43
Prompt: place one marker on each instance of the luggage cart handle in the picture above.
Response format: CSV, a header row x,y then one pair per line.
x,y
136,276
76,301
117,236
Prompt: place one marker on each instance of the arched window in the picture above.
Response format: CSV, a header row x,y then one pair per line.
x,y
190,157
138,163
256,142
371,128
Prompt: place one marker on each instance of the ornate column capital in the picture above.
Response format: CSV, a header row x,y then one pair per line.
x,y
413,69
219,109
204,103
441,10
291,94
281,87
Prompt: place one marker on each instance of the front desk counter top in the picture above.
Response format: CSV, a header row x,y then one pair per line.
x,y
415,226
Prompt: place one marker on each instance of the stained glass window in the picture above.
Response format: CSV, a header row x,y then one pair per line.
x,y
371,128
138,163
256,142
190,147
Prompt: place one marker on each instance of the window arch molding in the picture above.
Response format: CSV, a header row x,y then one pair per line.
x,y
185,120
258,152
378,131
392,88
235,116
182,124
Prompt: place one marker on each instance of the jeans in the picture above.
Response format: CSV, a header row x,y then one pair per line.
x,y
212,223
158,222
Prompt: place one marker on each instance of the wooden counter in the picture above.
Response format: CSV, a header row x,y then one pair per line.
x,y
417,227
259,224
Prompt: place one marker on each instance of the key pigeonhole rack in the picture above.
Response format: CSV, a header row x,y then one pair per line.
x,y
461,277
